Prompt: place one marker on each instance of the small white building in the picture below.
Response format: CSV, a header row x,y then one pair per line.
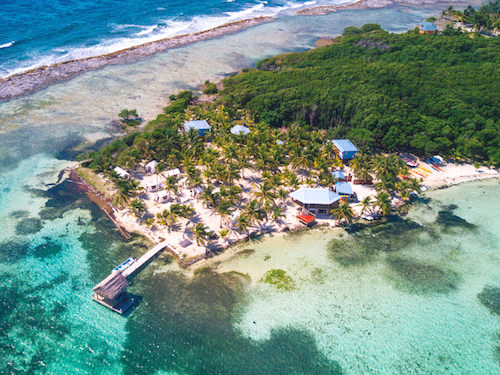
x,y
151,186
172,173
122,173
162,197
151,167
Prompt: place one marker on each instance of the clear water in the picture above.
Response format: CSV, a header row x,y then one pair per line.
x,y
397,299
43,32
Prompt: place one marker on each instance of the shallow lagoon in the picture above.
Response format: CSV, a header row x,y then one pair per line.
x,y
397,298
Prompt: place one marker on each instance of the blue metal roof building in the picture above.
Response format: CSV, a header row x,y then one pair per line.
x,y
316,199
338,175
240,130
427,27
346,150
344,189
200,125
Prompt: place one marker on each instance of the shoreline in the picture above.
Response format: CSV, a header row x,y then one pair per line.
x,y
25,83
28,82
123,220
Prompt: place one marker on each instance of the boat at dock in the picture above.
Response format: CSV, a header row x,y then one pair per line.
x,y
124,265
112,291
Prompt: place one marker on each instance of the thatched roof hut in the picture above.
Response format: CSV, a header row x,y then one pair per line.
x,y
112,286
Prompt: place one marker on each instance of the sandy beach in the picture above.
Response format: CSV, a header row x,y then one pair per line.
x,y
184,245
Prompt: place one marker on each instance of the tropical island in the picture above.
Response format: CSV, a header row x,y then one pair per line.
x,y
344,131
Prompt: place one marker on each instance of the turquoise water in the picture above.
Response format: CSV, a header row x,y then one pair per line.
x,y
400,298
45,31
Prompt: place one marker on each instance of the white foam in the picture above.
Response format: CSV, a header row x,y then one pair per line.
x,y
7,45
150,33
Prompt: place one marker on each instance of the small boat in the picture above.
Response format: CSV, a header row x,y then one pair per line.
x,y
425,169
410,163
122,267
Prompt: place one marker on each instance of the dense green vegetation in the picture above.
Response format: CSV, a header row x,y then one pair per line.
x,y
486,18
422,93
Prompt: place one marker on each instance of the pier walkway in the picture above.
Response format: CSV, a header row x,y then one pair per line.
x,y
144,260
112,291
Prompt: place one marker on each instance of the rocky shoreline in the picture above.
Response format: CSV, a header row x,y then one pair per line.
x,y
39,78
36,79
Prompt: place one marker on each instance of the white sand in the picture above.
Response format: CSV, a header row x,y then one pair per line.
x,y
452,174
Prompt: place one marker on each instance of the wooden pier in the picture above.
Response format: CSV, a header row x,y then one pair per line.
x,y
143,261
112,291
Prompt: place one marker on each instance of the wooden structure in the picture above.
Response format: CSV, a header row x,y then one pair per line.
x,y
316,200
112,291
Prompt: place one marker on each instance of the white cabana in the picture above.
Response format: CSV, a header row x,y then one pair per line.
x,y
121,172
162,196
151,167
240,130
172,173
152,186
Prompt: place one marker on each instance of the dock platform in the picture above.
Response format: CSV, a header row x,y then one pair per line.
x,y
112,291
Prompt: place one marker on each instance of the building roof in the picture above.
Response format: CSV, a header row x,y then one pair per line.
x,y
240,130
315,196
427,26
162,194
112,286
196,124
343,188
172,172
344,145
338,174
151,165
120,171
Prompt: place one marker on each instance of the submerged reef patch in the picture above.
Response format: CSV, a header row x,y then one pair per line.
x,y
28,225
490,297
19,214
448,219
363,245
414,276
47,249
279,278
12,251
188,328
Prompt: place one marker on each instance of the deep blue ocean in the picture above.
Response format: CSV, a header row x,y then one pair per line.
x,y
42,32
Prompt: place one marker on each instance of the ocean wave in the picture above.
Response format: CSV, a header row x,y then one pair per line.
x,y
151,33
7,45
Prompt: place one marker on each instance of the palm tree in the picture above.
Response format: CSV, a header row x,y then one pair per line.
x,y
137,207
171,186
168,219
264,193
277,214
367,204
224,233
241,224
253,211
223,210
343,212
201,234
383,202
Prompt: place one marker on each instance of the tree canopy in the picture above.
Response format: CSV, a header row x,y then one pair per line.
x,y
421,93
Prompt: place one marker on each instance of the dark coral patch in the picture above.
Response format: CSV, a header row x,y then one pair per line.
x,y
28,225
13,251
19,214
490,297
413,276
449,219
47,249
